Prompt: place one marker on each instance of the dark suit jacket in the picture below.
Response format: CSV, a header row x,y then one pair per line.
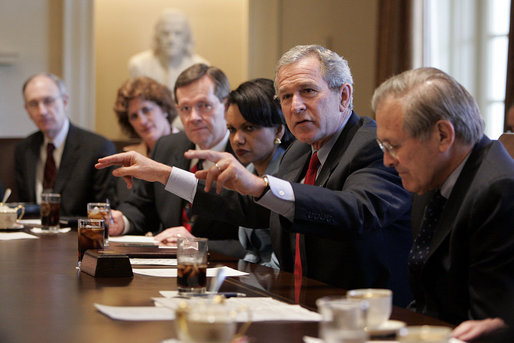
x,y
151,208
469,273
78,181
355,221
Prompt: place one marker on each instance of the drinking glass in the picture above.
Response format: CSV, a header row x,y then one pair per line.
x,y
191,265
343,320
90,236
50,211
101,210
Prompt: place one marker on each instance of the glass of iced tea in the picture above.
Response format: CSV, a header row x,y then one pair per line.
x,y
91,235
100,210
191,265
50,211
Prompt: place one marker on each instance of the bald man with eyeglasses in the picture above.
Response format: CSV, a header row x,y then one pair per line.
x,y
59,157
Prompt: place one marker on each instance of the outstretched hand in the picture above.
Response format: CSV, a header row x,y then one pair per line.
x,y
135,165
227,172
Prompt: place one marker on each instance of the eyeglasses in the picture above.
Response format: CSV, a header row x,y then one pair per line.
x,y
48,101
200,107
386,147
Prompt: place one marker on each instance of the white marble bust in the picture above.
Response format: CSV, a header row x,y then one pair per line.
x,y
173,50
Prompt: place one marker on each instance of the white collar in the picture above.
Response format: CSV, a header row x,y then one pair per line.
x,y
60,137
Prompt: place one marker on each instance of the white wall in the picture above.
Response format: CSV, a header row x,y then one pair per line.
x,y
27,36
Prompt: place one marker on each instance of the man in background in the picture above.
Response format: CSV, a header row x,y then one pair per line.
x,y
200,94
461,265
60,157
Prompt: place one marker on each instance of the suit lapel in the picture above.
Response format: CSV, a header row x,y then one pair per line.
x,y
447,219
297,166
31,159
337,153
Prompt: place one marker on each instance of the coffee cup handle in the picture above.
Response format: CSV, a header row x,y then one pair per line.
x,y
22,211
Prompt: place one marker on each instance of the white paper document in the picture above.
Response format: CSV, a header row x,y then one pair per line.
x,y
134,239
4,236
261,309
153,261
136,312
307,339
172,272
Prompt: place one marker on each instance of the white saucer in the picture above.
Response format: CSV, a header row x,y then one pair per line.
x,y
16,226
388,328
41,231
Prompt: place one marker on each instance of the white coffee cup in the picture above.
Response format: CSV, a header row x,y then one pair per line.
x,y
209,321
9,215
380,304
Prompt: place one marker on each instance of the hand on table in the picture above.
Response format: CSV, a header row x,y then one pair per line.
x,y
170,235
471,329
117,225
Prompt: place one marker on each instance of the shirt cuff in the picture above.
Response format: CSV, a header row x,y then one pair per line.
x,y
182,183
126,226
280,198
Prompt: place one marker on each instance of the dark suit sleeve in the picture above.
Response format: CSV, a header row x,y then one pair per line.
x,y
230,207
491,255
149,207
140,209
104,183
371,198
20,174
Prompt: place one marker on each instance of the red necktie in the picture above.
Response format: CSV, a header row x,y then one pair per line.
x,y
50,168
186,209
310,177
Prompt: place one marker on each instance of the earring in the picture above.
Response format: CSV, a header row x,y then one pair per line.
x,y
277,141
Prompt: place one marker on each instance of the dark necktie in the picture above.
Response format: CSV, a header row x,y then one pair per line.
x,y
421,245
187,220
310,177
50,168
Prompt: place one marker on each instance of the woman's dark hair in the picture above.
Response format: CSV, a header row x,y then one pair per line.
x,y
257,103
148,89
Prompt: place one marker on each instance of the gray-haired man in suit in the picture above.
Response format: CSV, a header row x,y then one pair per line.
x,y
60,156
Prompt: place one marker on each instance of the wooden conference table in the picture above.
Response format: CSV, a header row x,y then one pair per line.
x,y
43,298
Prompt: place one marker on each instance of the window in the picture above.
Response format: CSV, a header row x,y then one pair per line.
x,y
468,39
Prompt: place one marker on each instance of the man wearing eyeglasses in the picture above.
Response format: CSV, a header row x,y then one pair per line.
x,y
200,93
461,265
59,157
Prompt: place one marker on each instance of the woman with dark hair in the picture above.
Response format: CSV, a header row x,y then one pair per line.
x,y
259,137
145,109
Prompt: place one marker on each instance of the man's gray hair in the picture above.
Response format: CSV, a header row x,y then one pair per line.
x,y
58,82
334,69
429,95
